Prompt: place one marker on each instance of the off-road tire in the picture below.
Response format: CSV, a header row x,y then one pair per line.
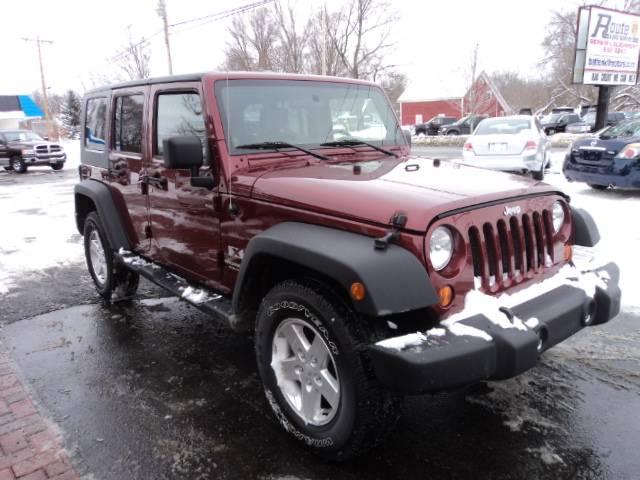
x,y
18,164
120,283
366,412
597,187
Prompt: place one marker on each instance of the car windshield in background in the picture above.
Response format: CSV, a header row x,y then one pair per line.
x,y
623,130
497,126
553,118
304,113
22,136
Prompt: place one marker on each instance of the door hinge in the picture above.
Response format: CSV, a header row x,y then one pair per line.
x,y
147,231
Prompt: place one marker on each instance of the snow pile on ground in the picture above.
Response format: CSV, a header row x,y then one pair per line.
x,y
37,220
439,140
615,212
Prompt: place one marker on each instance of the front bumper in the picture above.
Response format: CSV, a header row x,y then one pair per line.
x,y
51,159
453,360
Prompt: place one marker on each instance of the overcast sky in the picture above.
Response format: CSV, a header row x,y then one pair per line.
x,y
434,39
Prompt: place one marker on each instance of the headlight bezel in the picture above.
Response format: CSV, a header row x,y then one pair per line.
x,y
27,151
445,238
634,148
558,216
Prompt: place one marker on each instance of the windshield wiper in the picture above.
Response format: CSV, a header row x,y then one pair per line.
x,y
353,142
276,145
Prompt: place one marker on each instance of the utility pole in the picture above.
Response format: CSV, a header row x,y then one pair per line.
x,y
162,11
45,98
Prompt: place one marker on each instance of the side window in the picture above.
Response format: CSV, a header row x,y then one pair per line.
x,y
179,114
127,120
95,123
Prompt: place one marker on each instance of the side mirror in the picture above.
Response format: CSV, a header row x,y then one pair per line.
x,y
183,152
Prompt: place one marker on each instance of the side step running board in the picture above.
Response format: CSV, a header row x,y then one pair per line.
x,y
203,299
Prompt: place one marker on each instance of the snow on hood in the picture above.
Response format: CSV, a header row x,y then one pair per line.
x,y
418,186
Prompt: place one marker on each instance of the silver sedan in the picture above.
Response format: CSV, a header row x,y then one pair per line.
x,y
511,144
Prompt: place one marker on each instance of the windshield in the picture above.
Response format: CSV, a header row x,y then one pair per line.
x,y
22,136
496,126
624,129
304,113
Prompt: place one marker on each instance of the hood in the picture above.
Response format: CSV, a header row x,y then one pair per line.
x,y
419,187
29,143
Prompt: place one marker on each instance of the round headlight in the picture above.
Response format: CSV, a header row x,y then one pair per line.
x,y
440,247
558,216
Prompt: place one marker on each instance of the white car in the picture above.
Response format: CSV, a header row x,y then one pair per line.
x,y
510,144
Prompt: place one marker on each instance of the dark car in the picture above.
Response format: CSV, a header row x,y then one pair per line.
x,y
346,259
464,126
588,123
611,159
20,149
558,122
433,126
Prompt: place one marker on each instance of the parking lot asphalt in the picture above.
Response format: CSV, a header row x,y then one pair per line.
x,y
153,388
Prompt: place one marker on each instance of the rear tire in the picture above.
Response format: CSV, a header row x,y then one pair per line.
x,y
358,413
539,175
108,277
597,187
18,164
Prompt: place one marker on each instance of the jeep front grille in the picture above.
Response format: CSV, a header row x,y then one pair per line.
x,y
510,251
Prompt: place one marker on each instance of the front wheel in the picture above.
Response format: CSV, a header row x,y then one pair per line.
x,y
57,166
597,187
108,278
18,164
453,132
313,364
539,175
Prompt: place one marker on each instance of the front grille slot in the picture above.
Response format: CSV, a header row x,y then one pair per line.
x,y
512,251
42,149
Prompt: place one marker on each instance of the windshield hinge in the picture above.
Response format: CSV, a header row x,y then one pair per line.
x,y
398,221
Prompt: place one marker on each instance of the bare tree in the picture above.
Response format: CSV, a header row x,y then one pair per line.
x,y
361,35
253,42
292,43
134,60
318,44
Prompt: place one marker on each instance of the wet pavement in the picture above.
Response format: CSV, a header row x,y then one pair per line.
x,y
154,389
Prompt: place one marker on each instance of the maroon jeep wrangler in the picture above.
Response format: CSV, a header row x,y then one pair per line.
x,y
291,207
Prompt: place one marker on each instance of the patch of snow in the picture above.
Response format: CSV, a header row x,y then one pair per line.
x,y
392,325
403,341
460,329
152,302
533,322
197,295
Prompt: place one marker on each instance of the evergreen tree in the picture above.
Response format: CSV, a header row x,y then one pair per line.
x,y
70,115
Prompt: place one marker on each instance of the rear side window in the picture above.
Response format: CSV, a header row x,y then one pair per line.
x,y
95,124
128,123
179,114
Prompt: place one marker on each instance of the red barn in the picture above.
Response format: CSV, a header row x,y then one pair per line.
x,y
482,98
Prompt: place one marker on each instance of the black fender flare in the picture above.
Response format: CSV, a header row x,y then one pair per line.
x,y
100,195
585,230
395,280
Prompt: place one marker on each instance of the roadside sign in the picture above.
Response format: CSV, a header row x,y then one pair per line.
x,y
607,47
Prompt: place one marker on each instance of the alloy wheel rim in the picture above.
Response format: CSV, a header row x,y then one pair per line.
x,y
98,258
306,372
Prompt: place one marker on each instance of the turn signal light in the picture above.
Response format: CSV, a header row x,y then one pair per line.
x,y
445,294
568,253
357,291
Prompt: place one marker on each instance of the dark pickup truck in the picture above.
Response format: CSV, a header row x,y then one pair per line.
x,y
20,149
364,274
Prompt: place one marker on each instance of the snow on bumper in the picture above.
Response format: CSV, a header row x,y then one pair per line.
x,y
496,338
